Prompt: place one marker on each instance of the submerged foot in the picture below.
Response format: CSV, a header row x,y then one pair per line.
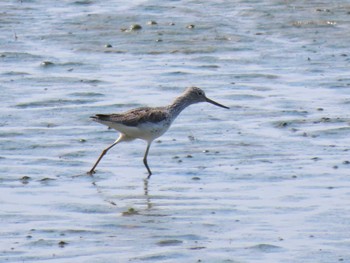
x,y
91,172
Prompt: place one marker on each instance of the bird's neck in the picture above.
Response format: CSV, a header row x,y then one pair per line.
x,y
179,105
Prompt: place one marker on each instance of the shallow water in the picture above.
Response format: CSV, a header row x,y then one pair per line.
x,y
266,181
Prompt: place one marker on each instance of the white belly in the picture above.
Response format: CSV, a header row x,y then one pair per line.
x,y
146,131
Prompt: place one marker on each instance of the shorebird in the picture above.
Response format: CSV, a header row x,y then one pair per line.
x,y
148,123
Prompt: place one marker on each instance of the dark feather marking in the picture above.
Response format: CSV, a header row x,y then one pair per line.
x,y
135,116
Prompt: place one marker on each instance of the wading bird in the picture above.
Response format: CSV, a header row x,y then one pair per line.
x,y
148,123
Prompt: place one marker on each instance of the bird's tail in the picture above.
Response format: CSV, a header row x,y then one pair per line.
x,y
100,117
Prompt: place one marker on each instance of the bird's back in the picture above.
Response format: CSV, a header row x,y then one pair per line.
x,y
144,123
133,117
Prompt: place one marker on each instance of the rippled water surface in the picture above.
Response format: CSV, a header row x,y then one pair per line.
x,y
266,181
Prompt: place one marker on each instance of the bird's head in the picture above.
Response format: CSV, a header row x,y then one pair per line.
x,y
196,95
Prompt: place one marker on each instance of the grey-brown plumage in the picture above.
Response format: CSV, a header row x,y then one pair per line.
x,y
148,123
134,117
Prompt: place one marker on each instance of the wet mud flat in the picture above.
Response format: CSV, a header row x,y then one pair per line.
x,y
265,181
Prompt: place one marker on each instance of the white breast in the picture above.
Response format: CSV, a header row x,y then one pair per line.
x,y
146,131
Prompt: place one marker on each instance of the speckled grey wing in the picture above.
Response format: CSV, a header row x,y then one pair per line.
x,y
134,117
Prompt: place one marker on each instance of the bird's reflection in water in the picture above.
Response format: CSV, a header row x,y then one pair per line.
x,y
145,188
100,192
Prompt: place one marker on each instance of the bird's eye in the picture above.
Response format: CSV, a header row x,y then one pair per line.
x,y
200,93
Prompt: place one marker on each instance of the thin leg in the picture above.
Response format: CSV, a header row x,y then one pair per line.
x,y
92,171
145,160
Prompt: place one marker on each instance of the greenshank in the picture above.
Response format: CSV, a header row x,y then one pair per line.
x,y
148,123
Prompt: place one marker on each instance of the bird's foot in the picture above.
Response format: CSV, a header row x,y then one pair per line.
x,y
91,172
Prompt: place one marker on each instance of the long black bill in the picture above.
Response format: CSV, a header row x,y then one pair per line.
x,y
217,104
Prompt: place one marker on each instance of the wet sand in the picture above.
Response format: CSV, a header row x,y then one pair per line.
x,y
266,181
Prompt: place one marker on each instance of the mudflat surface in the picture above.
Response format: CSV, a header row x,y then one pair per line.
x,y
266,181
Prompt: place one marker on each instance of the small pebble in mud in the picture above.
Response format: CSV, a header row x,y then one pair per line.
x,y
323,10
82,140
62,243
191,138
46,180
206,151
196,178
197,248
283,124
152,23
171,242
171,24
47,63
189,156
325,119
25,179
320,109
346,162
131,211
190,26
159,40
135,27
335,167
108,46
